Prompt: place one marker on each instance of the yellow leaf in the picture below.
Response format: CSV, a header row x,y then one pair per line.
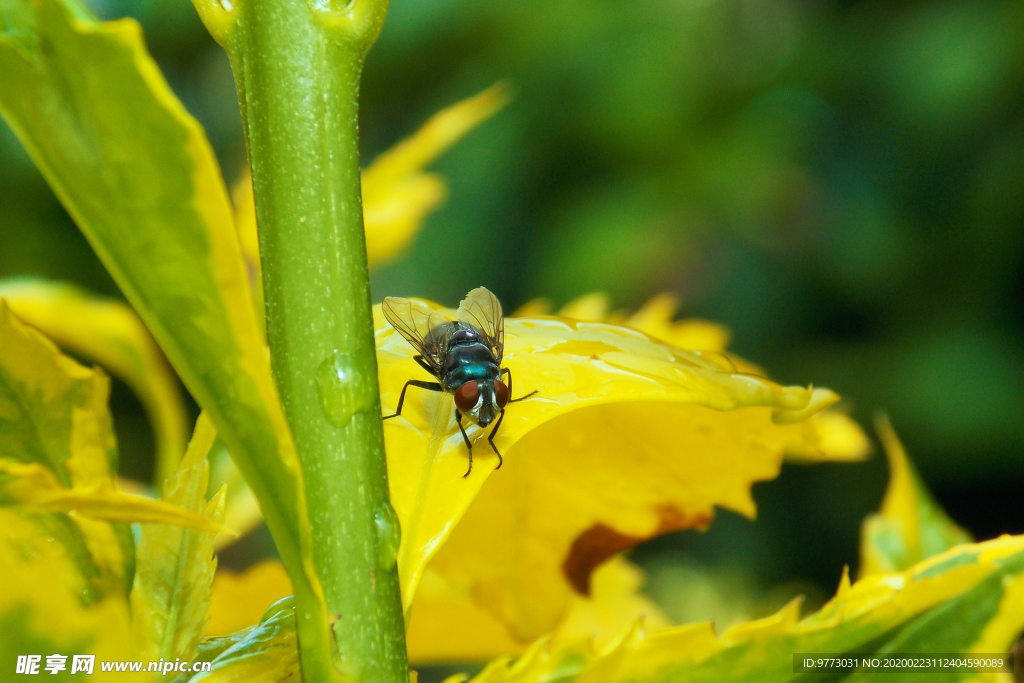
x,y
824,435
627,438
829,434
393,214
656,318
110,333
238,600
615,603
910,526
446,626
41,608
175,566
397,193
591,308
533,308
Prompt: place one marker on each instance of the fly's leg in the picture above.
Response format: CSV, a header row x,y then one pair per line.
x,y
432,386
506,371
465,437
423,364
490,439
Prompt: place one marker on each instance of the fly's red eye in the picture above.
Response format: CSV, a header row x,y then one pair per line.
x,y
466,396
500,393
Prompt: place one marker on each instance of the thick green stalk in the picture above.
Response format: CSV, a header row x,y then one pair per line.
x,y
298,66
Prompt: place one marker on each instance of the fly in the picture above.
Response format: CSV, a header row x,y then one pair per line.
x,y
463,355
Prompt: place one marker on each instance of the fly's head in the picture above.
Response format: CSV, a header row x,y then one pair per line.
x,y
482,400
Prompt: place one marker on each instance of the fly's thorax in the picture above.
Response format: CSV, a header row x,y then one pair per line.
x,y
459,334
467,362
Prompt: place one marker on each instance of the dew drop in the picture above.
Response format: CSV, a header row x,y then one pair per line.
x,y
343,390
389,535
227,5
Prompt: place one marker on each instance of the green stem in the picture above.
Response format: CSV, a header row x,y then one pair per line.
x,y
298,65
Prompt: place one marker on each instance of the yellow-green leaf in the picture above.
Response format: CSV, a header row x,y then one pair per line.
x,y
57,450
34,487
627,438
910,526
140,179
175,566
42,391
56,441
110,333
41,606
967,600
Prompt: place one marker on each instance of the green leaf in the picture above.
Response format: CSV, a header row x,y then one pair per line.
x,y
175,566
910,526
264,653
138,176
110,333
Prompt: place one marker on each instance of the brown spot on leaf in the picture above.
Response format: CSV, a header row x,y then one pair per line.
x,y
600,542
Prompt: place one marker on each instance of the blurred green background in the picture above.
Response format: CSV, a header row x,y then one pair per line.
x,y
838,182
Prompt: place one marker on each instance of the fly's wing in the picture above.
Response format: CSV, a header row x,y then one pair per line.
x,y
419,324
482,310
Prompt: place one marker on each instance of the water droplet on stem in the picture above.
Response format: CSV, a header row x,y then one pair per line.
x,y
389,535
344,391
